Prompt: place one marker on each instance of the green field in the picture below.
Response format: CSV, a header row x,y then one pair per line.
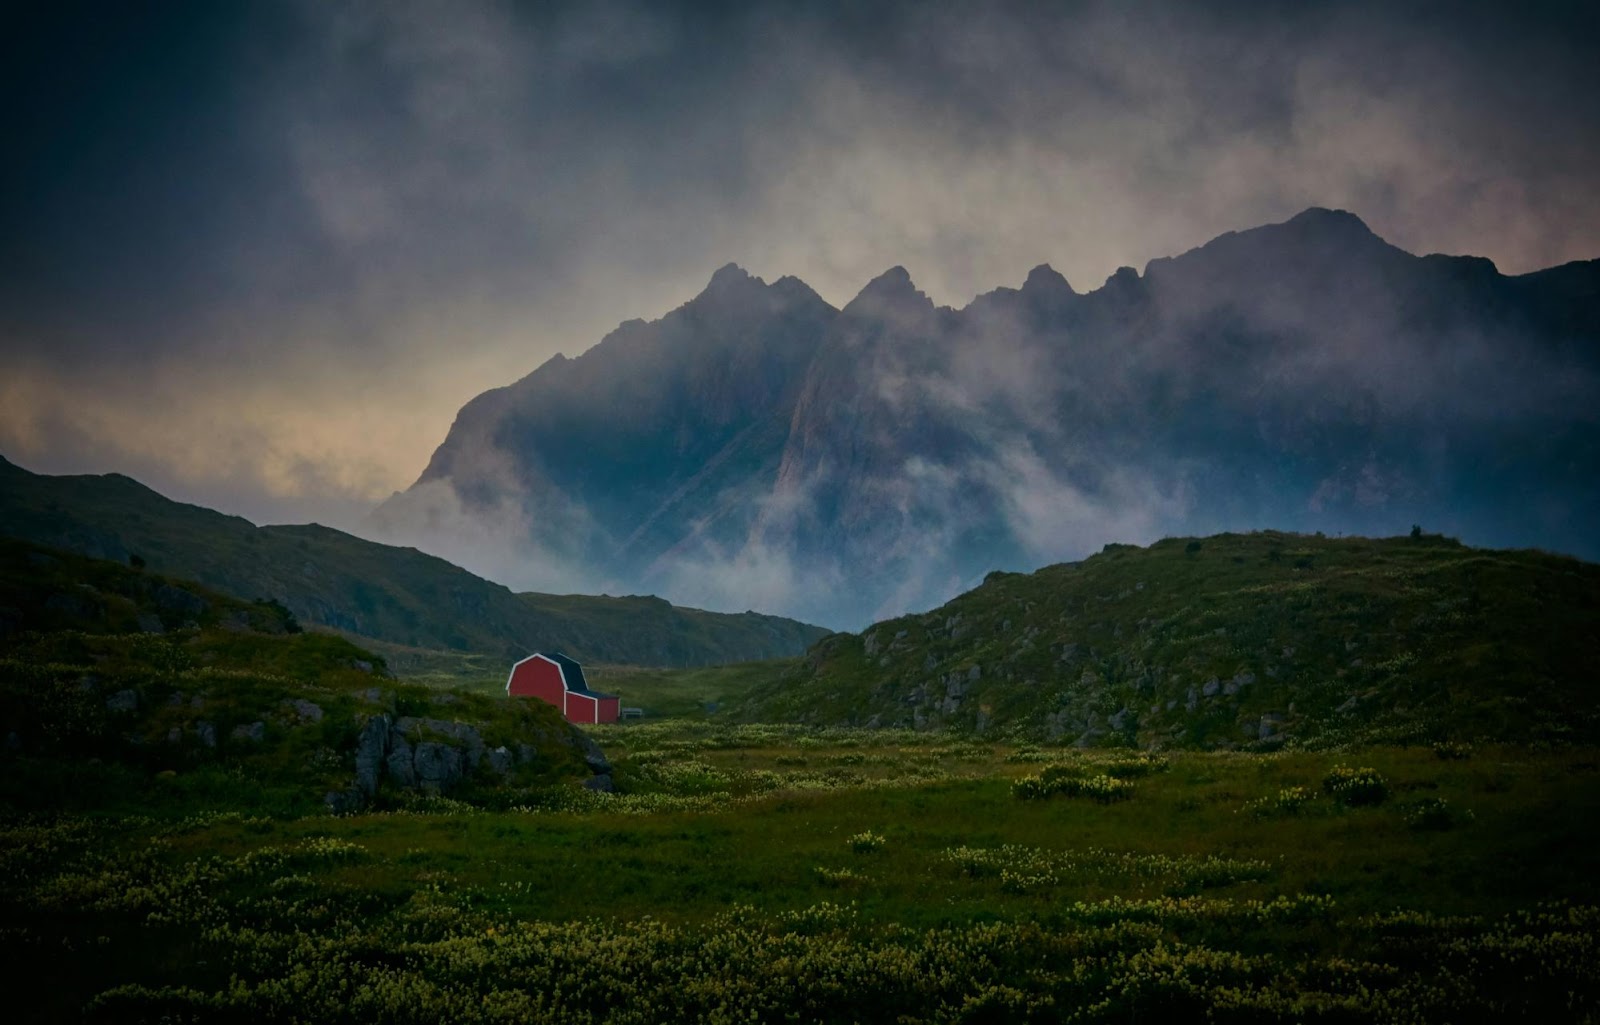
x,y
171,756
782,874
659,693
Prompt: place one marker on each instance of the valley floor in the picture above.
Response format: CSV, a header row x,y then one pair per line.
x,y
777,874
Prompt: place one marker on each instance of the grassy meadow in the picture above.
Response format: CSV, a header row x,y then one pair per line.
x,y
762,873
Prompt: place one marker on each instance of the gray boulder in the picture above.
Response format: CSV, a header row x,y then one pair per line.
x,y
123,701
595,758
344,802
305,711
601,783
206,732
501,760
253,733
461,734
371,746
439,766
401,763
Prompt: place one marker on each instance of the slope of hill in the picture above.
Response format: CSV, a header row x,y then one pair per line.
x,y
125,689
400,595
850,464
1232,640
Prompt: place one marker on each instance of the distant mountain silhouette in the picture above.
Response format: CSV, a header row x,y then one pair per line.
x,y
374,592
758,447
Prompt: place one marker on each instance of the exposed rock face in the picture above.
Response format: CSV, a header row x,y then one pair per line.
x,y
401,763
439,767
305,711
438,755
123,701
371,746
251,733
595,758
459,733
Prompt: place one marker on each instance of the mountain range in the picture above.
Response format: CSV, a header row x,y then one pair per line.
x,y
368,591
757,447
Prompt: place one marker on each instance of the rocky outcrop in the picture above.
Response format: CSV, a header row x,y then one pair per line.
x,y
435,756
439,767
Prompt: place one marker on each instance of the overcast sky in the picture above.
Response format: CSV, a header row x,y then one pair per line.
x,y
258,254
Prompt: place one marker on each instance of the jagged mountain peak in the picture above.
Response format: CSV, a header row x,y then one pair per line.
x,y
895,279
730,281
1321,218
891,289
730,274
1045,279
876,456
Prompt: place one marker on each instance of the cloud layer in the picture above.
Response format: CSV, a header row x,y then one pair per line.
x,y
259,258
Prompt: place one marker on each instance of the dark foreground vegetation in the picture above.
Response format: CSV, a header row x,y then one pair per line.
x,y
168,853
785,875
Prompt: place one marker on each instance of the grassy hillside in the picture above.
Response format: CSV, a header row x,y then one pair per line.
x,y
124,689
397,595
166,851
1230,640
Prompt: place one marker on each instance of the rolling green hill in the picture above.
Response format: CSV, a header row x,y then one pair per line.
x,y
397,595
1240,639
122,689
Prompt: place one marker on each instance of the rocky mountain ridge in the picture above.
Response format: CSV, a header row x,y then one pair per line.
x,y
758,447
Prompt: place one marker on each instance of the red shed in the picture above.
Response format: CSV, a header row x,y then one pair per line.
x,y
559,680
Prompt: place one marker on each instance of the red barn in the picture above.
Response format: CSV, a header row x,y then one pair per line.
x,y
559,680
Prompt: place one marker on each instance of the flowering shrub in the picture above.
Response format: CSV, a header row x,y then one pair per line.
x,y
1134,766
866,842
1041,867
1104,789
1287,801
1434,813
839,876
1356,786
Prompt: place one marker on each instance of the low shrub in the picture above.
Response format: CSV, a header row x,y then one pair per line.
x,y
866,842
1288,801
1435,813
1356,786
1049,783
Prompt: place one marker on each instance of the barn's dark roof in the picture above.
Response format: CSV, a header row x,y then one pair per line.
x,y
572,672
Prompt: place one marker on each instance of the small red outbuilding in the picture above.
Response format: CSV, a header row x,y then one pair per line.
x,y
557,679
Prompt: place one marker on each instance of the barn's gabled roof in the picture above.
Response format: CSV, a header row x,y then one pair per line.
x,y
572,673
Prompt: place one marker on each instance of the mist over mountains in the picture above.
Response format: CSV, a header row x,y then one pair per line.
x,y
758,448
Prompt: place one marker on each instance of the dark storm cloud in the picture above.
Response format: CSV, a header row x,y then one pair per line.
x,y
239,241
